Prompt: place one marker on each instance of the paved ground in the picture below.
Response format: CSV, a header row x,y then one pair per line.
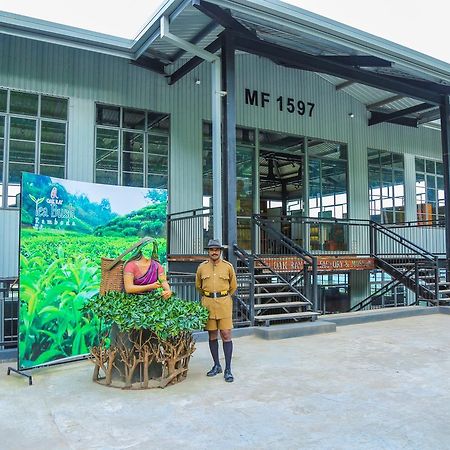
x,y
383,385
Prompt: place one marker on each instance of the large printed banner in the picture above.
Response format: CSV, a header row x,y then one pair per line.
x,y
66,227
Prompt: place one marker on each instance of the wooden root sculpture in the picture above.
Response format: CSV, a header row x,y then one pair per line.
x,y
133,359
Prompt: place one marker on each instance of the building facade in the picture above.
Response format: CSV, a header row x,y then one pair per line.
x,y
304,144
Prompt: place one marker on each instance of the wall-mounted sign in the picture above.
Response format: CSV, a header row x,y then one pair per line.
x,y
324,263
289,104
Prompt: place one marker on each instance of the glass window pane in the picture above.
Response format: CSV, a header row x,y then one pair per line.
x,y
158,122
3,99
133,142
158,145
420,165
133,118
13,194
106,177
53,107
157,165
107,156
24,103
133,179
108,115
107,159
16,169
52,171
430,166
108,139
22,140
133,162
157,181
53,154
440,168
54,132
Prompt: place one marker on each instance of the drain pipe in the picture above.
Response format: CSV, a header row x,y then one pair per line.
x,y
217,95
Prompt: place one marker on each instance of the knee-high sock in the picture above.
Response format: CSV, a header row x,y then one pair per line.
x,y
228,351
214,349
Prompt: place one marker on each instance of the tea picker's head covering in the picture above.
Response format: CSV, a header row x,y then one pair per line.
x,y
214,243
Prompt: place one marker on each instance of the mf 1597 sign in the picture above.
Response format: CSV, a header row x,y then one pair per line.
x,y
289,104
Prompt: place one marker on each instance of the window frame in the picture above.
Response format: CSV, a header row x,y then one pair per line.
x,y
146,134
39,119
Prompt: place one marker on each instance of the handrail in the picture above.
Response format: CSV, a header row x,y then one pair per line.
x,y
403,241
298,251
293,246
193,211
386,287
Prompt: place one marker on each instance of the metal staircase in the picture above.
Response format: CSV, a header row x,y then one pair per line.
x,y
276,296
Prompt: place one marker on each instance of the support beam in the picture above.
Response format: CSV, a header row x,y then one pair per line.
x,y
381,117
194,62
220,16
151,64
429,116
344,85
360,61
406,121
445,137
386,101
196,39
304,61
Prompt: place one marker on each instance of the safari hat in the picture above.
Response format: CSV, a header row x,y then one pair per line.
x,y
214,243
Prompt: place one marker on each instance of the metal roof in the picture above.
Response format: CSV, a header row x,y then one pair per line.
x,y
275,25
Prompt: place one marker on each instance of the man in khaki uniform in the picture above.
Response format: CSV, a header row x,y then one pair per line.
x,y
216,281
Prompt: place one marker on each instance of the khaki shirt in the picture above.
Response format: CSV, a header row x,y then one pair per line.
x,y
216,278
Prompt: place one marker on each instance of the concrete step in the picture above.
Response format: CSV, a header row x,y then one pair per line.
x,y
281,305
296,315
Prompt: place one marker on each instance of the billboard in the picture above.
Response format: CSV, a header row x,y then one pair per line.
x,y
65,228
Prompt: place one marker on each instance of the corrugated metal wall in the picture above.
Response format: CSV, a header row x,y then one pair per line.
x,y
87,78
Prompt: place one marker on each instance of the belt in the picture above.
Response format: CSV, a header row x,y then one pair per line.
x,y
215,294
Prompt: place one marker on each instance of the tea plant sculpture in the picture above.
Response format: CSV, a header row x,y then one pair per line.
x,y
145,341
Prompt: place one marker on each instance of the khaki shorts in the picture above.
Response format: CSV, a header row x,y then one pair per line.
x,y
219,324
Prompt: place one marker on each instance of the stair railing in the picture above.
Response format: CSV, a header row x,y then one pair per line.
x,y
396,246
290,249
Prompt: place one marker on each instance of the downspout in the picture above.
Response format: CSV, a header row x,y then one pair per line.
x,y
216,95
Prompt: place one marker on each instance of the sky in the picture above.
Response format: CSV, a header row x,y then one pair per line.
x,y
416,24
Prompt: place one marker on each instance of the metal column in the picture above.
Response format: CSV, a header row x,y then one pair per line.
x,y
445,136
229,146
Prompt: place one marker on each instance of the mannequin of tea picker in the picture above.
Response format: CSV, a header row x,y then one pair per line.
x,y
143,273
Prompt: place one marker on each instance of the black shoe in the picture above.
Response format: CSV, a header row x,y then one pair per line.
x,y
228,376
216,369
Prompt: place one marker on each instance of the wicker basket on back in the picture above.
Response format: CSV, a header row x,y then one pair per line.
x,y
112,269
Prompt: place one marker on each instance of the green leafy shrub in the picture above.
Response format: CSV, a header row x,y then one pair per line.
x,y
166,318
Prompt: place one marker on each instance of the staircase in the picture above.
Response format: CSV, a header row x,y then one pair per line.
x,y
421,276
274,296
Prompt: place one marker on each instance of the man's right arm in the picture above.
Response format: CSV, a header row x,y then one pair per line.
x,y
198,280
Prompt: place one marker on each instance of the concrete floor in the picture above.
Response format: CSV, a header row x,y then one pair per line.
x,y
381,385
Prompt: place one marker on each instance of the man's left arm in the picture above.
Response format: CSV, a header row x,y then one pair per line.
x,y
233,281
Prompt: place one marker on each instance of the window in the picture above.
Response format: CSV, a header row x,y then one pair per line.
x,y
386,187
245,150
132,147
430,198
33,135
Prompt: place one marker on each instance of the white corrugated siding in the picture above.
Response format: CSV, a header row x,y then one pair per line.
x,y
87,78
9,243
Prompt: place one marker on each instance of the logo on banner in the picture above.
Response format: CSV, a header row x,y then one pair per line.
x,y
50,211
